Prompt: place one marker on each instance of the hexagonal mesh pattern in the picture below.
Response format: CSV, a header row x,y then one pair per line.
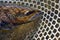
x,y
50,26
